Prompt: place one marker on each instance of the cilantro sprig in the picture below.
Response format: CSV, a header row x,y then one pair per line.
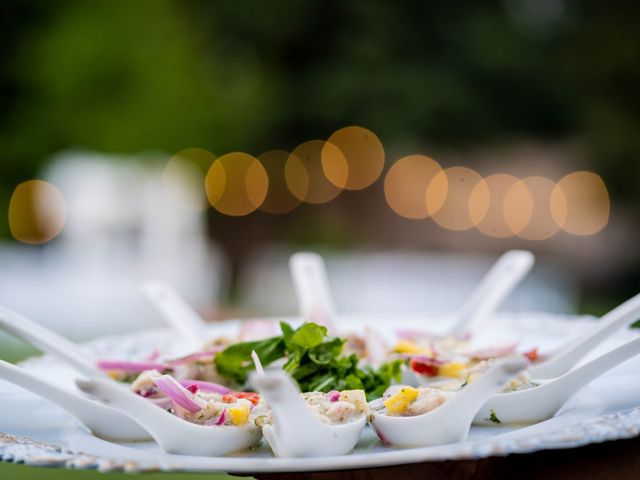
x,y
313,359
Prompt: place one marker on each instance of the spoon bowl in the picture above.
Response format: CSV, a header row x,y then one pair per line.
x,y
543,401
450,422
171,433
296,431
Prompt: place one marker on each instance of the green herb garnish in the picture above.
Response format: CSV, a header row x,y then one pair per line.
x,y
313,359
493,417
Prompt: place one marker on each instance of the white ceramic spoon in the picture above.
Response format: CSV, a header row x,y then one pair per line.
x,y
173,434
505,274
542,402
450,422
296,431
177,313
569,355
311,283
48,341
312,287
103,421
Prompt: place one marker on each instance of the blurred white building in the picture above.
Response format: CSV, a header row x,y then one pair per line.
x,y
122,227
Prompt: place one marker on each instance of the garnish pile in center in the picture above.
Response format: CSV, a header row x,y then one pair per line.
x,y
313,359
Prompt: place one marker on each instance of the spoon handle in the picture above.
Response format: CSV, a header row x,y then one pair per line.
x,y
579,377
505,274
570,354
311,283
465,404
290,413
176,312
47,341
20,377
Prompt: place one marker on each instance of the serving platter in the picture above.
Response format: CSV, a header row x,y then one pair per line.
x,y
37,432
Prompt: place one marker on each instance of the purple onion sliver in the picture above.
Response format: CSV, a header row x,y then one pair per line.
x,y
130,366
333,396
223,417
196,356
176,392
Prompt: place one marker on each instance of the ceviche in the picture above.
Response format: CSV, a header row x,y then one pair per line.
x,y
210,387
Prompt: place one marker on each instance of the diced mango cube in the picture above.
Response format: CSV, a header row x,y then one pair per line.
x,y
399,401
239,415
405,346
451,369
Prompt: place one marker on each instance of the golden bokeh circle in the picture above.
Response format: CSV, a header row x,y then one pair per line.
x,y
236,184
448,197
528,206
406,183
305,171
183,178
586,206
486,206
364,156
37,212
279,198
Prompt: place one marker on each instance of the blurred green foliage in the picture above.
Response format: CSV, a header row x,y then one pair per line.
x,y
23,472
125,76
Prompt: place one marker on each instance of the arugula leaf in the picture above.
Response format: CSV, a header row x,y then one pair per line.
x,y
309,335
235,361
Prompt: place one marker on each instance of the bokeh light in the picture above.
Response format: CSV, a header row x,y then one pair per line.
x,y
183,178
364,155
405,185
448,197
527,208
486,206
580,203
236,184
305,171
37,212
279,198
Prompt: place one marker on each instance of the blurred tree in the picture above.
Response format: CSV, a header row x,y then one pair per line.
x,y
250,75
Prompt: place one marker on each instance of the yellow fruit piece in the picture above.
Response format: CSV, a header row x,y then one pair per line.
x,y
405,346
451,369
239,415
399,401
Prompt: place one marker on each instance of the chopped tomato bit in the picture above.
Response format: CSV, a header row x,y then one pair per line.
x,y
251,396
430,369
532,354
232,397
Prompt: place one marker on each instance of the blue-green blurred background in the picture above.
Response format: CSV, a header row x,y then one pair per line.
x,y
129,77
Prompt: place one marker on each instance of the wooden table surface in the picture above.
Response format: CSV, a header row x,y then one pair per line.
x,y
609,460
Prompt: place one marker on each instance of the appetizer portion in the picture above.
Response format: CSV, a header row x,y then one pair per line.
x,y
451,358
315,360
199,402
206,387
522,381
337,407
405,401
